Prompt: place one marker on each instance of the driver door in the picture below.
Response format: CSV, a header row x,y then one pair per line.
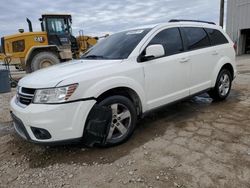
x,y
167,78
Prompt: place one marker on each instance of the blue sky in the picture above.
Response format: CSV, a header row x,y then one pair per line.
x,y
97,17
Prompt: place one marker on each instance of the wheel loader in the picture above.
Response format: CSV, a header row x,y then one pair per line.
x,y
55,43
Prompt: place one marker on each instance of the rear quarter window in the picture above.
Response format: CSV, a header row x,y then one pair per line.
x,y
196,38
216,37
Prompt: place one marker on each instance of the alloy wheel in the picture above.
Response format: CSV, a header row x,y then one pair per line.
x,y
121,121
224,84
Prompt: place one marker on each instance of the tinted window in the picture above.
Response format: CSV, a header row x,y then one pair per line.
x,y
116,46
170,39
56,26
196,38
216,37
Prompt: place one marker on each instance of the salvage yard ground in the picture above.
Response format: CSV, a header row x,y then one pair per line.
x,y
195,143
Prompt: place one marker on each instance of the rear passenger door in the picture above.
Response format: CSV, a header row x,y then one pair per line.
x,y
201,56
219,44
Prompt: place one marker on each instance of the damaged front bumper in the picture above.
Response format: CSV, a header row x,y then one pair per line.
x,y
55,124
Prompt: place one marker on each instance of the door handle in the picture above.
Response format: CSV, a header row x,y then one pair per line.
x,y
184,60
215,53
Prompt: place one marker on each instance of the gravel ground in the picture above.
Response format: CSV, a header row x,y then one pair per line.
x,y
195,143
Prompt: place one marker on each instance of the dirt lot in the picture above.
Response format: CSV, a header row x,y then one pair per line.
x,y
195,143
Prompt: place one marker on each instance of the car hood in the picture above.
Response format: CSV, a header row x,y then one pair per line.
x,y
52,76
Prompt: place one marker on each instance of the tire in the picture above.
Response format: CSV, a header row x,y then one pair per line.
x,y
120,129
43,59
222,87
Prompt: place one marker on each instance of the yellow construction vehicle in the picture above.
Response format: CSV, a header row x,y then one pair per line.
x,y
55,43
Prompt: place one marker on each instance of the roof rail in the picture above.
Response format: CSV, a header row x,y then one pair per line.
x,y
199,21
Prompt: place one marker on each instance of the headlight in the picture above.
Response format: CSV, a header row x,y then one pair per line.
x,y
17,89
54,95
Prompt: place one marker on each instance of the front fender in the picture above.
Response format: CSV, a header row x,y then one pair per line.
x,y
119,81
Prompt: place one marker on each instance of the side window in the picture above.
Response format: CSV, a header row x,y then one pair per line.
x,y
216,37
171,41
196,38
56,26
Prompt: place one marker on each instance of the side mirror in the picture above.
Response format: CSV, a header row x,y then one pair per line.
x,y
153,51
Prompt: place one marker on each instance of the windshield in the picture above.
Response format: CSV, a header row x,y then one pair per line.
x,y
57,26
116,46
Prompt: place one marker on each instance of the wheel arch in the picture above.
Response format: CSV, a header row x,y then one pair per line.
x,y
126,92
119,86
229,67
224,63
36,49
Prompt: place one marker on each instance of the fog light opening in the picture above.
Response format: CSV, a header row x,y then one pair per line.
x,y
41,134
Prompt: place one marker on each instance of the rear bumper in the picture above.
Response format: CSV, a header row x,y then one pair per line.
x,y
63,122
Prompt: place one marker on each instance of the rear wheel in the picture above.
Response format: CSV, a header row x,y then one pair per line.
x,y
123,119
223,86
43,60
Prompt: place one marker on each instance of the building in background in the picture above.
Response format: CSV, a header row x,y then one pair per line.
x,y
238,24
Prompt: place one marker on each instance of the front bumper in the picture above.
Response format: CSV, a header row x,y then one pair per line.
x,y
19,127
62,121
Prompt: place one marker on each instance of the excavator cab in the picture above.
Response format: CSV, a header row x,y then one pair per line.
x,y
58,28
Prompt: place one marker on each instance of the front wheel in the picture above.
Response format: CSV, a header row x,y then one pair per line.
x,y
223,86
123,119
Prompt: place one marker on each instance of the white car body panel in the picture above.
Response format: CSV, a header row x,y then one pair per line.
x,y
163,84
51,76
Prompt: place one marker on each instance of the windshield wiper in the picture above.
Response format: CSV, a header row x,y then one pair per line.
x,y
94,57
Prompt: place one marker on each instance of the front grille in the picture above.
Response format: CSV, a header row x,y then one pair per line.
x,y
28,90
25,95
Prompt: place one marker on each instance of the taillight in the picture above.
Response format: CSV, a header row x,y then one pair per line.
x,y
235,46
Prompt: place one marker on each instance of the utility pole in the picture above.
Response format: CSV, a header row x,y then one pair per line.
x,y
222,5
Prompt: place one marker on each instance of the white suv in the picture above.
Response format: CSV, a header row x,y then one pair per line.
x,y
98,98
